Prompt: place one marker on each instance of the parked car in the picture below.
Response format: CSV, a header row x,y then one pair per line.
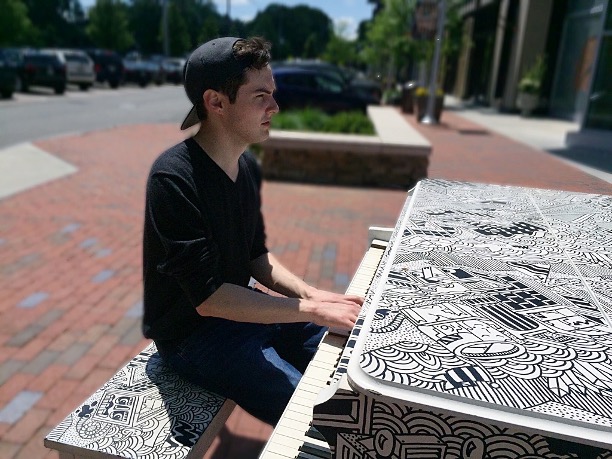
x,y
108,66
40,69
158,71
8,73
173,67
298,88
353,78
137,70
79,66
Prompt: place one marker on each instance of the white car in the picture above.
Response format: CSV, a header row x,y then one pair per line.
x,y
80,68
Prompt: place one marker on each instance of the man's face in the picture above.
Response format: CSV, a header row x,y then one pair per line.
x,y
249,116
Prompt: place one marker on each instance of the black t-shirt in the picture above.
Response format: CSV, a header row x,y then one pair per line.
x,y
201,230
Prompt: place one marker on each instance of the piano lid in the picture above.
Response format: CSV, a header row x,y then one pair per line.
x,y
495,302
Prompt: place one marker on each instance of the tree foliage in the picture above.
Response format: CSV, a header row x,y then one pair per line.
x,y
57,22
108,25
388,37
299,31
340,50
15,25
144,21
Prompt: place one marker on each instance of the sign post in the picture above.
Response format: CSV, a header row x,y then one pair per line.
x,y
429,117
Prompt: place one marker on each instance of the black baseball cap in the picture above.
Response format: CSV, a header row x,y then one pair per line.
x,y
208,67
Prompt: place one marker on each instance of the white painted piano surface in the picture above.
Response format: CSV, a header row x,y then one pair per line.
x,y
486,334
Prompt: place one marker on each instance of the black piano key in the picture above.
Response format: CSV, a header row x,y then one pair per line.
x,y
315,450
303,455
314,433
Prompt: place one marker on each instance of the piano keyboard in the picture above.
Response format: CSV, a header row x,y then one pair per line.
x,y
293,437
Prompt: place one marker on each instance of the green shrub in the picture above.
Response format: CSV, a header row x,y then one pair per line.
x,y
317,121
350,123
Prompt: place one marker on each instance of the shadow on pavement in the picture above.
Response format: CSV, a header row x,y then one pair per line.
x,y
597,159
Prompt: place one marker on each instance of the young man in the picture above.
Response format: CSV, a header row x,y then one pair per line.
x,y
204,239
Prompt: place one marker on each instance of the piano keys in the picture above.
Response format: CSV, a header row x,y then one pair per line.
x,y
293,437
487,332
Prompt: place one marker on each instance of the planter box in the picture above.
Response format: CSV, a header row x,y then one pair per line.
x,y
397,156
527,102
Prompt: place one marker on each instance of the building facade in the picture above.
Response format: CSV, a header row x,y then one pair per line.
x,y
503,38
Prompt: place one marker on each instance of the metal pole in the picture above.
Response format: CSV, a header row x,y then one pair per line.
x,y
429,117
165,28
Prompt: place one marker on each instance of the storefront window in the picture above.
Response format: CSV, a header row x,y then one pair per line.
x,y
575,66
599,114
576,6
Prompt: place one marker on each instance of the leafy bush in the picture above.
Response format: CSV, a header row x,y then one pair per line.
x,y
531,81
422,91
317,121
350,123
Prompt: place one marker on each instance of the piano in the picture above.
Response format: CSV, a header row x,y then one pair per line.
x,y
486,333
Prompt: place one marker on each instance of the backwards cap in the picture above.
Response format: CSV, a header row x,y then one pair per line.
x,y
209,67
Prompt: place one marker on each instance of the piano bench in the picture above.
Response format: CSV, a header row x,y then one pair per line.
x,y
145,410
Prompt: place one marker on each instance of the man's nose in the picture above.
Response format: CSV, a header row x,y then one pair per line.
x,y
274,108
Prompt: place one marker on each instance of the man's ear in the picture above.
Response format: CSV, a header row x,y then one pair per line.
x,y
213,101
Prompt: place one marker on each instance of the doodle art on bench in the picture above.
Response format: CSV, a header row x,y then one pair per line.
x,y
145,410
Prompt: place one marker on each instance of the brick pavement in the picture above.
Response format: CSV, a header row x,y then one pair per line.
x,y
70,260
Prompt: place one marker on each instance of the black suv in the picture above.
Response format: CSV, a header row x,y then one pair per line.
x,y
38,69
8,73
108,66
298,88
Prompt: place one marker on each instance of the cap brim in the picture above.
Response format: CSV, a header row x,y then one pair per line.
x,y
191,119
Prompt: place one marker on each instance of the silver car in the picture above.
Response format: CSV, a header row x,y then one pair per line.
x,y
80,69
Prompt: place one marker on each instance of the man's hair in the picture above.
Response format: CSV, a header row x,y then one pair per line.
x,y
254,52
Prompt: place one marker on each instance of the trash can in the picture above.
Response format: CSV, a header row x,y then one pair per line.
x,y
408,97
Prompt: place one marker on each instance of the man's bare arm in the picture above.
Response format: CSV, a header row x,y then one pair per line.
x,y
244,305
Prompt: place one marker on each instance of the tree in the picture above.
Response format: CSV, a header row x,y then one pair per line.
x,y
145,18
15,25
108,25
389,43
202,22
59,22
177,30
299,31
340,50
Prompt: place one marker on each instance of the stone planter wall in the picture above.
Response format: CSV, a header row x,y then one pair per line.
x,y
396,157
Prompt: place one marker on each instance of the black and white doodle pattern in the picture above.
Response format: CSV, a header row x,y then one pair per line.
x,y
144,411
376,429
495,295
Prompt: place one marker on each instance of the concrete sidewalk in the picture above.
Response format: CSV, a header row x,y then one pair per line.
x,y
70,257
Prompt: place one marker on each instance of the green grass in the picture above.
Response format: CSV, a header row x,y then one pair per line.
x,y
317,121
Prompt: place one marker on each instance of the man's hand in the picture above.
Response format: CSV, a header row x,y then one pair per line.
x,y
333,309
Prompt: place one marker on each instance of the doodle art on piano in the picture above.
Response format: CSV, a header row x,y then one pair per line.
x,y
495,304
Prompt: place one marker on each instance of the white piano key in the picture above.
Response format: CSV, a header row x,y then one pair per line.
x,y
291,431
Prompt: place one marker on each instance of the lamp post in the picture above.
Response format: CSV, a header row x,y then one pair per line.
x,y
429,117
166,38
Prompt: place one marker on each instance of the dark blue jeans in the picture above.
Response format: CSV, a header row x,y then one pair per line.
x,y
258,366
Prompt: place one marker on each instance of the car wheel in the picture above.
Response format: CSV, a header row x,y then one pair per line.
x,y
84,86
59,89
6,93
114,84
